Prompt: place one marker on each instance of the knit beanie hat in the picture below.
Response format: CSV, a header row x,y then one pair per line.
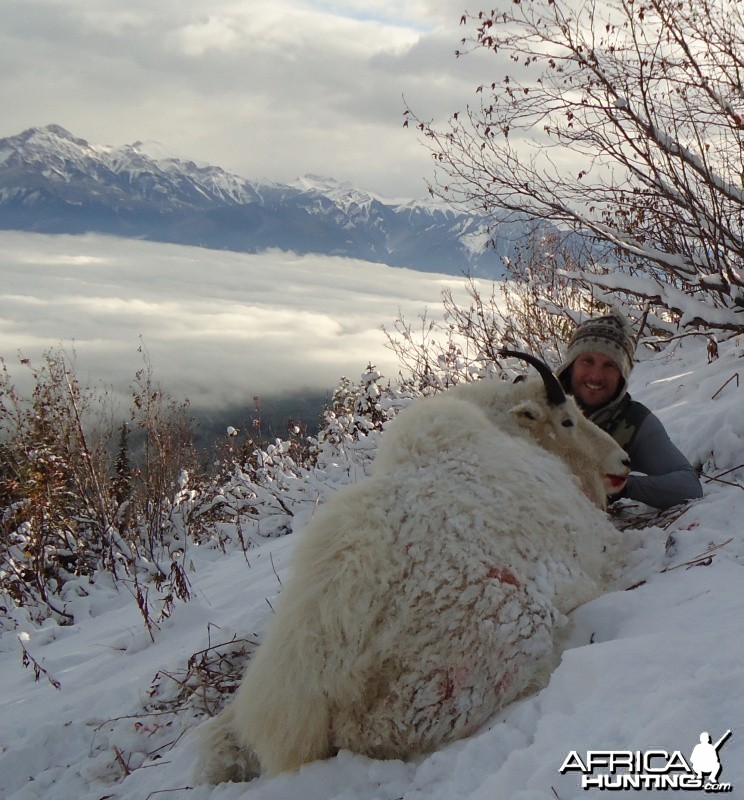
x,y
610,335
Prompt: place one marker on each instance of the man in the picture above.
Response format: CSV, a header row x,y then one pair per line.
x,y
595,371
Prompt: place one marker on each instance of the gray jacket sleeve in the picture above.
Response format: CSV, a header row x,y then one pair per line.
x,y
668,477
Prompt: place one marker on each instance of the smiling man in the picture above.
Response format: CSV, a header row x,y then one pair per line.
x,y
595,371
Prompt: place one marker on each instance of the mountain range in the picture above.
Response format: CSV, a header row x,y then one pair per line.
x,y
54,182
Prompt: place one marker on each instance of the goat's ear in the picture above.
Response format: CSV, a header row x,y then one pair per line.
x,y
528,413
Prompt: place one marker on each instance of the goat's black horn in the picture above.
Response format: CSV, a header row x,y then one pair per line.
x,y
553,388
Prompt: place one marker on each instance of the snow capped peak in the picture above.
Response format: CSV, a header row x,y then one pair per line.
x,y
344,194
328,186
154,150
56,130
310,182
55,141
49,135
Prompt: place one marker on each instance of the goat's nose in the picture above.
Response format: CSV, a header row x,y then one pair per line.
x,y
626,462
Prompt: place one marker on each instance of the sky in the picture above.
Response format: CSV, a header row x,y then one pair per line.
x,y
267,89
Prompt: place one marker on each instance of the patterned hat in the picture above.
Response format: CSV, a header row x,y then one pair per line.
x,y
610,335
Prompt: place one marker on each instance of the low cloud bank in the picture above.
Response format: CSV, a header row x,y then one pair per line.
x,y
218,327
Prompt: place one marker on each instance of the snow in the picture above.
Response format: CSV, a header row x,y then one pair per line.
x,y
650,665
342,193
691,309
477,241
155,150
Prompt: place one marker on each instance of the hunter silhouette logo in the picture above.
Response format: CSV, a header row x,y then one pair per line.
x,y
651,769
704,758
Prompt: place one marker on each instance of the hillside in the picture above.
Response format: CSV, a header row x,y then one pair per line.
x,y
649,665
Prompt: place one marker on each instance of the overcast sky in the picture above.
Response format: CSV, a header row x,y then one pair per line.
x,y
268,89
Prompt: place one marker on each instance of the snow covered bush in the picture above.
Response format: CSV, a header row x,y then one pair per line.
x,y
54,515
73,507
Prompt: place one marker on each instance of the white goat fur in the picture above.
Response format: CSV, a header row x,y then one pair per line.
x,y
426,596
521,410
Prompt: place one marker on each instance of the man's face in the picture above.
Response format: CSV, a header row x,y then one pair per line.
x,y
595,380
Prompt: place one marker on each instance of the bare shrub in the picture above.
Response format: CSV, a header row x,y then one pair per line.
x,y
621,122
56,514
73,505
206,682
535,310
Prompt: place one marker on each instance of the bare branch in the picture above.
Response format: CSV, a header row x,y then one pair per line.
x,y
622,122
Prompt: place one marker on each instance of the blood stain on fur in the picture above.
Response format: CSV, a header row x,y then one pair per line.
x,y
504,575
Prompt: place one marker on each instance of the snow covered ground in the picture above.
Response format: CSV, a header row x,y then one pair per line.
x,y
649,666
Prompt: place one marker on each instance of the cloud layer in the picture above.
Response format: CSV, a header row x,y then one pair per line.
x,y
219,327
265,88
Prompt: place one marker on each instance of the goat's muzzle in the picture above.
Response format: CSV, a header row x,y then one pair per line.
x,y
615,482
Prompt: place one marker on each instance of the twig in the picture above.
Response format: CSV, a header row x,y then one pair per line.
x,y
134,716
271,558
29,661
735,375
162,791
122,763
662,518
717,478
654,340
168,745
701,560
721,474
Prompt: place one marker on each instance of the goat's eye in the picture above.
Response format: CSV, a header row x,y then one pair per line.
x,y
567,423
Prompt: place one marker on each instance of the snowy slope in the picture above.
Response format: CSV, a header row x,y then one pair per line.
x,y
650,665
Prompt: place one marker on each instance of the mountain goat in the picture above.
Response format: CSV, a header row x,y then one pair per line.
x,y
427,596
558,425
